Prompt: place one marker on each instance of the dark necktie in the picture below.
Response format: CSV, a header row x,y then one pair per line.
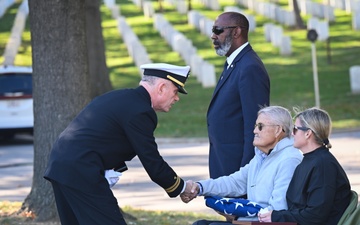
x,y
226,65
224,71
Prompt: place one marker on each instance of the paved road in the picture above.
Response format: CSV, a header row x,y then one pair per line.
x,y
187,156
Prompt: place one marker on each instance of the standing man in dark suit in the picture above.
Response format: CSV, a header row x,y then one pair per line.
x,y
243,87
113,129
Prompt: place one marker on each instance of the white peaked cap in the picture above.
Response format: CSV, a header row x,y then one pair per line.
x,y
176,74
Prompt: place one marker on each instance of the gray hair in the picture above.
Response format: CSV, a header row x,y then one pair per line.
x,y
318,121
280,116
149,79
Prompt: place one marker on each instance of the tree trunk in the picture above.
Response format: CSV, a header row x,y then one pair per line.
x,y
60,84
299,21
161,9
98,71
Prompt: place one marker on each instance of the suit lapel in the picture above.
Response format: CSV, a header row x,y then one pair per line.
x,y
227,72
224,75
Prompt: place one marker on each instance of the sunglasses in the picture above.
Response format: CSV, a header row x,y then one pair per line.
x,y
296,128
218,30
260,126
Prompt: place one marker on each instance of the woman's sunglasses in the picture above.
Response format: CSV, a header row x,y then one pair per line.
x,y
296,128
218,30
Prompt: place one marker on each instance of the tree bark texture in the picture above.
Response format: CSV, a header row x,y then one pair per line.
x,y
98,71
61,86
298,19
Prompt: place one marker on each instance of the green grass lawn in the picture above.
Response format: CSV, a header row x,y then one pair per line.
x,y
9,216
291,76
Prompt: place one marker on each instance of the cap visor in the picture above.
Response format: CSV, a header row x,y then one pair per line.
x,y
182,90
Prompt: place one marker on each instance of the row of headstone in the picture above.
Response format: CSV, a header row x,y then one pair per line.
x,y
352,6
4,5
204,71
135,48
204,24
251,18
138,3
321,27
211,4
355,79
171,2
200,22
271,11
339,4
315,9
274,34
145,5
14,42
180,5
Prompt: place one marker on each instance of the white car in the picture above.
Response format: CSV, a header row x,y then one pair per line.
x,y
16,102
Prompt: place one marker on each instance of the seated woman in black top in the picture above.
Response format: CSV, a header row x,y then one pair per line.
x,y
319,191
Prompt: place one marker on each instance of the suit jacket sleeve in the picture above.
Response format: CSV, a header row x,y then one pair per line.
x,y
140,131
254,89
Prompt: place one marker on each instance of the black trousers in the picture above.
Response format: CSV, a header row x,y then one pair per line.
x,y
78,207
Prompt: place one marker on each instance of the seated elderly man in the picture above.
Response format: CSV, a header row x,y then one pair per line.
x,y
264,179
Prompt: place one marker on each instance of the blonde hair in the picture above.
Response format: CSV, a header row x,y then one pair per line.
x,y
318,121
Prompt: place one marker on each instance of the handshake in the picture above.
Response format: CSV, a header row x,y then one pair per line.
x,y
191,191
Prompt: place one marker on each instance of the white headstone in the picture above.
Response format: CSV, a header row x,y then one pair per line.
x,y
109,3
355,79
290,19
193,18
317,10
285,47
312,23
181,7
115,11
206,26
195,61
323,30
232,9
148,9
267,31
214,4
356,21
276,35
306,7
138,3
339,4
4,5
329,14
252,22
279,15
208,75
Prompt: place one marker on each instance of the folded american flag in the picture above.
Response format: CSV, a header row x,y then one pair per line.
x,y
233,206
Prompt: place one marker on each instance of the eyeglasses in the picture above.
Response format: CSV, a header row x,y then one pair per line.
x,y
261,125
218,30
296,128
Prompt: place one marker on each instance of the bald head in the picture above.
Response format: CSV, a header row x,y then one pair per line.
x,y
236,19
